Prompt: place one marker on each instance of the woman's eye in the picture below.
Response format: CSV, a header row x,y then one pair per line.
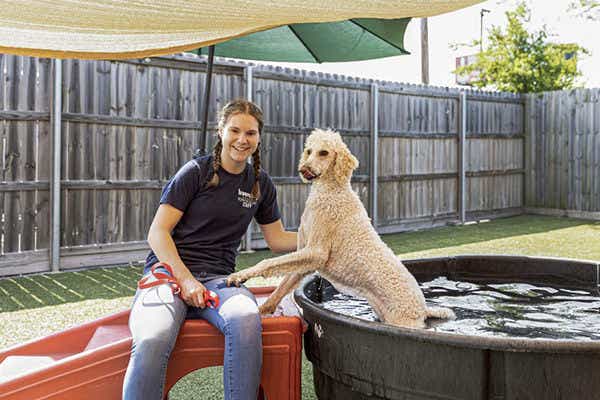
x,y
323,153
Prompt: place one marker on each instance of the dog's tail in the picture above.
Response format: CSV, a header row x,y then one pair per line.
x,y
440,312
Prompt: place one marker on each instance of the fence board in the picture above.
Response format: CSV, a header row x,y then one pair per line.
x,y
565,144
494,192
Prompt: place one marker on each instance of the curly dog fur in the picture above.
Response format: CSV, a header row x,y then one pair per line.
x,y
337,239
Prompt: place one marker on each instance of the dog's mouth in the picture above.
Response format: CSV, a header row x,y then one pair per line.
x,y
308,174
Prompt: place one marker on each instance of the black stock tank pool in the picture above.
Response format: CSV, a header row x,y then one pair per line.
x,y
526,329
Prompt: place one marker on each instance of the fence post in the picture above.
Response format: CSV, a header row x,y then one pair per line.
x,y
462,135
529,137
248,75
56,120
373,175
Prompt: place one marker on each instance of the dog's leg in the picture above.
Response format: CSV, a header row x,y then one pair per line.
x,y
301,262
287,285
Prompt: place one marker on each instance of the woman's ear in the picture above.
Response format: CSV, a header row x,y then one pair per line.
x,y
345,163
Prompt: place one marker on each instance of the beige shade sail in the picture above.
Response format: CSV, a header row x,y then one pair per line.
x,y
118,29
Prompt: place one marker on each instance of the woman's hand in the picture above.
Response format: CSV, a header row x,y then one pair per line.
x,y
192,291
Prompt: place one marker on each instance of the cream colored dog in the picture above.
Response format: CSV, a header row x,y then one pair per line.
x,y
336,238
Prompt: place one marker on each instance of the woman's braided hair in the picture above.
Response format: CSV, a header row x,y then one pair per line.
x,y
239,106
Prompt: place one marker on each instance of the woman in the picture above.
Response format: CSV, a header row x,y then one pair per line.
x,y
204,211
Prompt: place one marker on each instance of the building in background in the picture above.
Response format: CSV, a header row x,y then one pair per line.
x,y
466,79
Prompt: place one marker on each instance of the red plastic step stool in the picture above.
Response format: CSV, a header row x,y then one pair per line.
x,y
89,361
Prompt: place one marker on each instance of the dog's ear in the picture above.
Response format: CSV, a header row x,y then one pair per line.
x,y
345,163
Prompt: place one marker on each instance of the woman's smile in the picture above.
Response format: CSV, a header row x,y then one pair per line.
x,y
242,149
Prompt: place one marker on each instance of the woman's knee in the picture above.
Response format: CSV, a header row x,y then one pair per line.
x,y
240,314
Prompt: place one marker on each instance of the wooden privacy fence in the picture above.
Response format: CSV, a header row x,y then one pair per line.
x,y
428,156
563,153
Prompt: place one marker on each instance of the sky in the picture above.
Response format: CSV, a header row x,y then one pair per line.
x,y
463,26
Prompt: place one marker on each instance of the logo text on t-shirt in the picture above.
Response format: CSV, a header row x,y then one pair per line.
x,y
246,199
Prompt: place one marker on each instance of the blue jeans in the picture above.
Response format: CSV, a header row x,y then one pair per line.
x,y
155,319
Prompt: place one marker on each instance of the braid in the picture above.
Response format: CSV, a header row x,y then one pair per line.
x,y
256,165
214,181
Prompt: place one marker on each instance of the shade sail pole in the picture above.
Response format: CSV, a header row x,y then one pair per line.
x,y
204,137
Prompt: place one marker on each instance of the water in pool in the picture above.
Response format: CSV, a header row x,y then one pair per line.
x,y
501,310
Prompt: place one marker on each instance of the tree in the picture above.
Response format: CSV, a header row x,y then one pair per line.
x,y
522,62
589,9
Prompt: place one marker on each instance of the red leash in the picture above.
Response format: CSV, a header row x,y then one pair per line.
x,y
211,299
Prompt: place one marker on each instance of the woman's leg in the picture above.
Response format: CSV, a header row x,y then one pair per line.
x,y
238,318
156,316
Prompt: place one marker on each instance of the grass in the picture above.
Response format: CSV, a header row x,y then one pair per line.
x,y
37,305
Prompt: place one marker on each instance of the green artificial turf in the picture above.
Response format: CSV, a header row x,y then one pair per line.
x,y
37,305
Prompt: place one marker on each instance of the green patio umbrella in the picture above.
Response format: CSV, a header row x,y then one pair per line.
x,y
350,40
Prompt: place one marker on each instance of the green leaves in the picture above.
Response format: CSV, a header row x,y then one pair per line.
x,y
588,9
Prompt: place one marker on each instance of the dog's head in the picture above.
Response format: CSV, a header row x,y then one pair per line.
x,y
326,157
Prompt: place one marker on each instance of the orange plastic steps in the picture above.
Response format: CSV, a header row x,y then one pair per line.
x,y
89,361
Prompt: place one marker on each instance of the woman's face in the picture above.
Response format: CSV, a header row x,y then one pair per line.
x,y
240,137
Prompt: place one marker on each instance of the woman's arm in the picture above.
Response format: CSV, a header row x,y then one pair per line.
x,y
278,239
161,242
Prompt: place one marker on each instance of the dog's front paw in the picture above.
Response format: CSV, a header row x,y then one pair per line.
x,y
236,279
267,308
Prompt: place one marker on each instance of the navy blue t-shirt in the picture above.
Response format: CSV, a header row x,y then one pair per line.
x,y
215,219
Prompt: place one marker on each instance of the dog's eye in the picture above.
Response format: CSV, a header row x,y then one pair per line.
x,y
323,153
308,151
